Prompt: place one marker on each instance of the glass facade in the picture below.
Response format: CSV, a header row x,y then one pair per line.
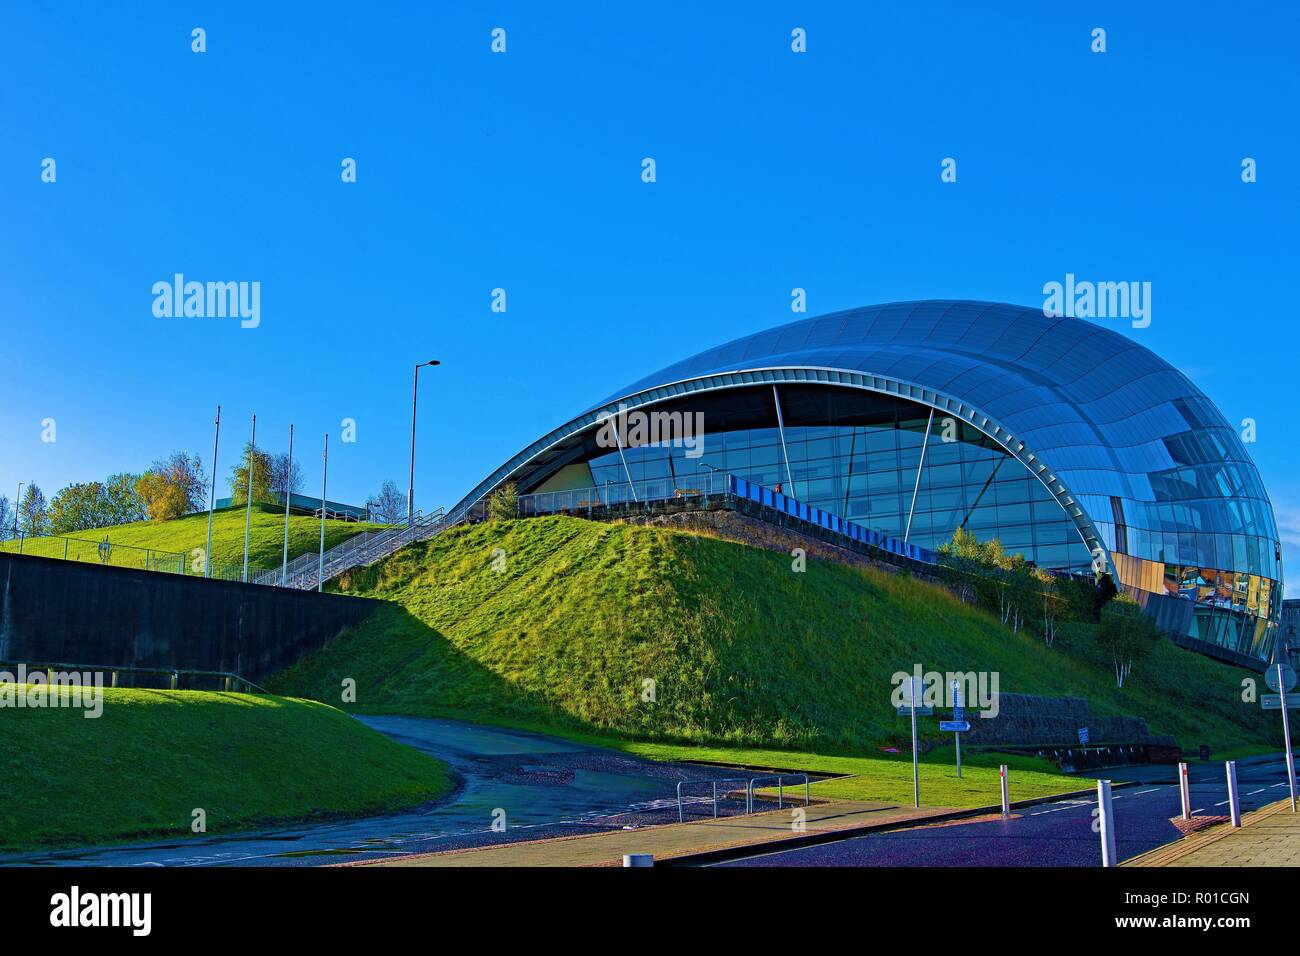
x,y
1049,413
857,455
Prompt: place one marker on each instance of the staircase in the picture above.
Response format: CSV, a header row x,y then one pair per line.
x,y
306,571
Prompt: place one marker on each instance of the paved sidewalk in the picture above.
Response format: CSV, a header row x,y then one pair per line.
x,y
607,847
1269,836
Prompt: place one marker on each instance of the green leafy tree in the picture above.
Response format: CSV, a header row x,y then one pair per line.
x,y
8,518
504,502
78,507
1126,635
261,477
121,502
33,513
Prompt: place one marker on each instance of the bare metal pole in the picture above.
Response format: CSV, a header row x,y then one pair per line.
x,y
248,504
288,493
780,428
919,468
324,475
212,498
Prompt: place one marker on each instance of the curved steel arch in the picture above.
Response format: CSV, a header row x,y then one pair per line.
x,y
844,378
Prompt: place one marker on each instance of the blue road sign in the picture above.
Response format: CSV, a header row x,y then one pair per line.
x,y
906,711
955,726
1083,735
1270,701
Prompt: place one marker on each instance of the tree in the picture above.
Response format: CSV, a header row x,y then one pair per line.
x,y
78,507
286,476
261,476
504,502
389,505
1053,604
172,487
1126,635
8,518
122,503
33,516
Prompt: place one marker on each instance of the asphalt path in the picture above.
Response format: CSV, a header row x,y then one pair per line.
x,y
1059,833
546,786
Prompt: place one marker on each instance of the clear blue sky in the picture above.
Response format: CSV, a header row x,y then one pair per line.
x,y
522,171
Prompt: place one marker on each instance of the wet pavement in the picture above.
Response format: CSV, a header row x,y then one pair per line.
x,y
546,786
1059,833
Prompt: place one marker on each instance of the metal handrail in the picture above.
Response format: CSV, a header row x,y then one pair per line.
x,y
780,779
305,571
230,677
681,817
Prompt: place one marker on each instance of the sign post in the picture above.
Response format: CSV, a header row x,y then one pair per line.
x,y
1006,796
916,767
958,725
1185,791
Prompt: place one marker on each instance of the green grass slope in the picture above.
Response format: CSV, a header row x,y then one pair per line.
x,y
153,757
743,651
183,535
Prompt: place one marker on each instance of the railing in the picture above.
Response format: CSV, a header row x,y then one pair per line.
x,y
302,573
229,681
824,519
709,483
306,571
780,779
681,815
747,790
112,555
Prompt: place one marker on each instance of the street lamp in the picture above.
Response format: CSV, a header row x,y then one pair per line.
x,y
410,492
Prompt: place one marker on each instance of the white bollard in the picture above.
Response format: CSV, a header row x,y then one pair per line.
x,y
1106,824
1006,797
1185,791
1234,804
638,859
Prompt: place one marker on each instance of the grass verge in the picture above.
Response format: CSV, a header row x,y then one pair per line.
x,y
153,757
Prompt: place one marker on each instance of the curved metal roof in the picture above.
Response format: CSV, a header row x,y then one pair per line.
x,y
1111,429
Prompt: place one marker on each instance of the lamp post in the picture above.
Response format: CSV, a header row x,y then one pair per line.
x,y
415,391
18,503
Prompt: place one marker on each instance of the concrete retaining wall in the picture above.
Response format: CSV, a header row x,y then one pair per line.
x,y
68,612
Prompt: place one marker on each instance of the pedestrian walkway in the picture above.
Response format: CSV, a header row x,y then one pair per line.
x,y
1269,836
607,847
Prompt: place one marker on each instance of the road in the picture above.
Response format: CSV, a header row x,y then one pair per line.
x,y
1058,833
546,786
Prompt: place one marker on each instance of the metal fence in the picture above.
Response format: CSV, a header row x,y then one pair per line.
x,y
704,484
108,554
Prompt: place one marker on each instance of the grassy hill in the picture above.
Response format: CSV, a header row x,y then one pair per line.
x,y
742,651
183,535
153,757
